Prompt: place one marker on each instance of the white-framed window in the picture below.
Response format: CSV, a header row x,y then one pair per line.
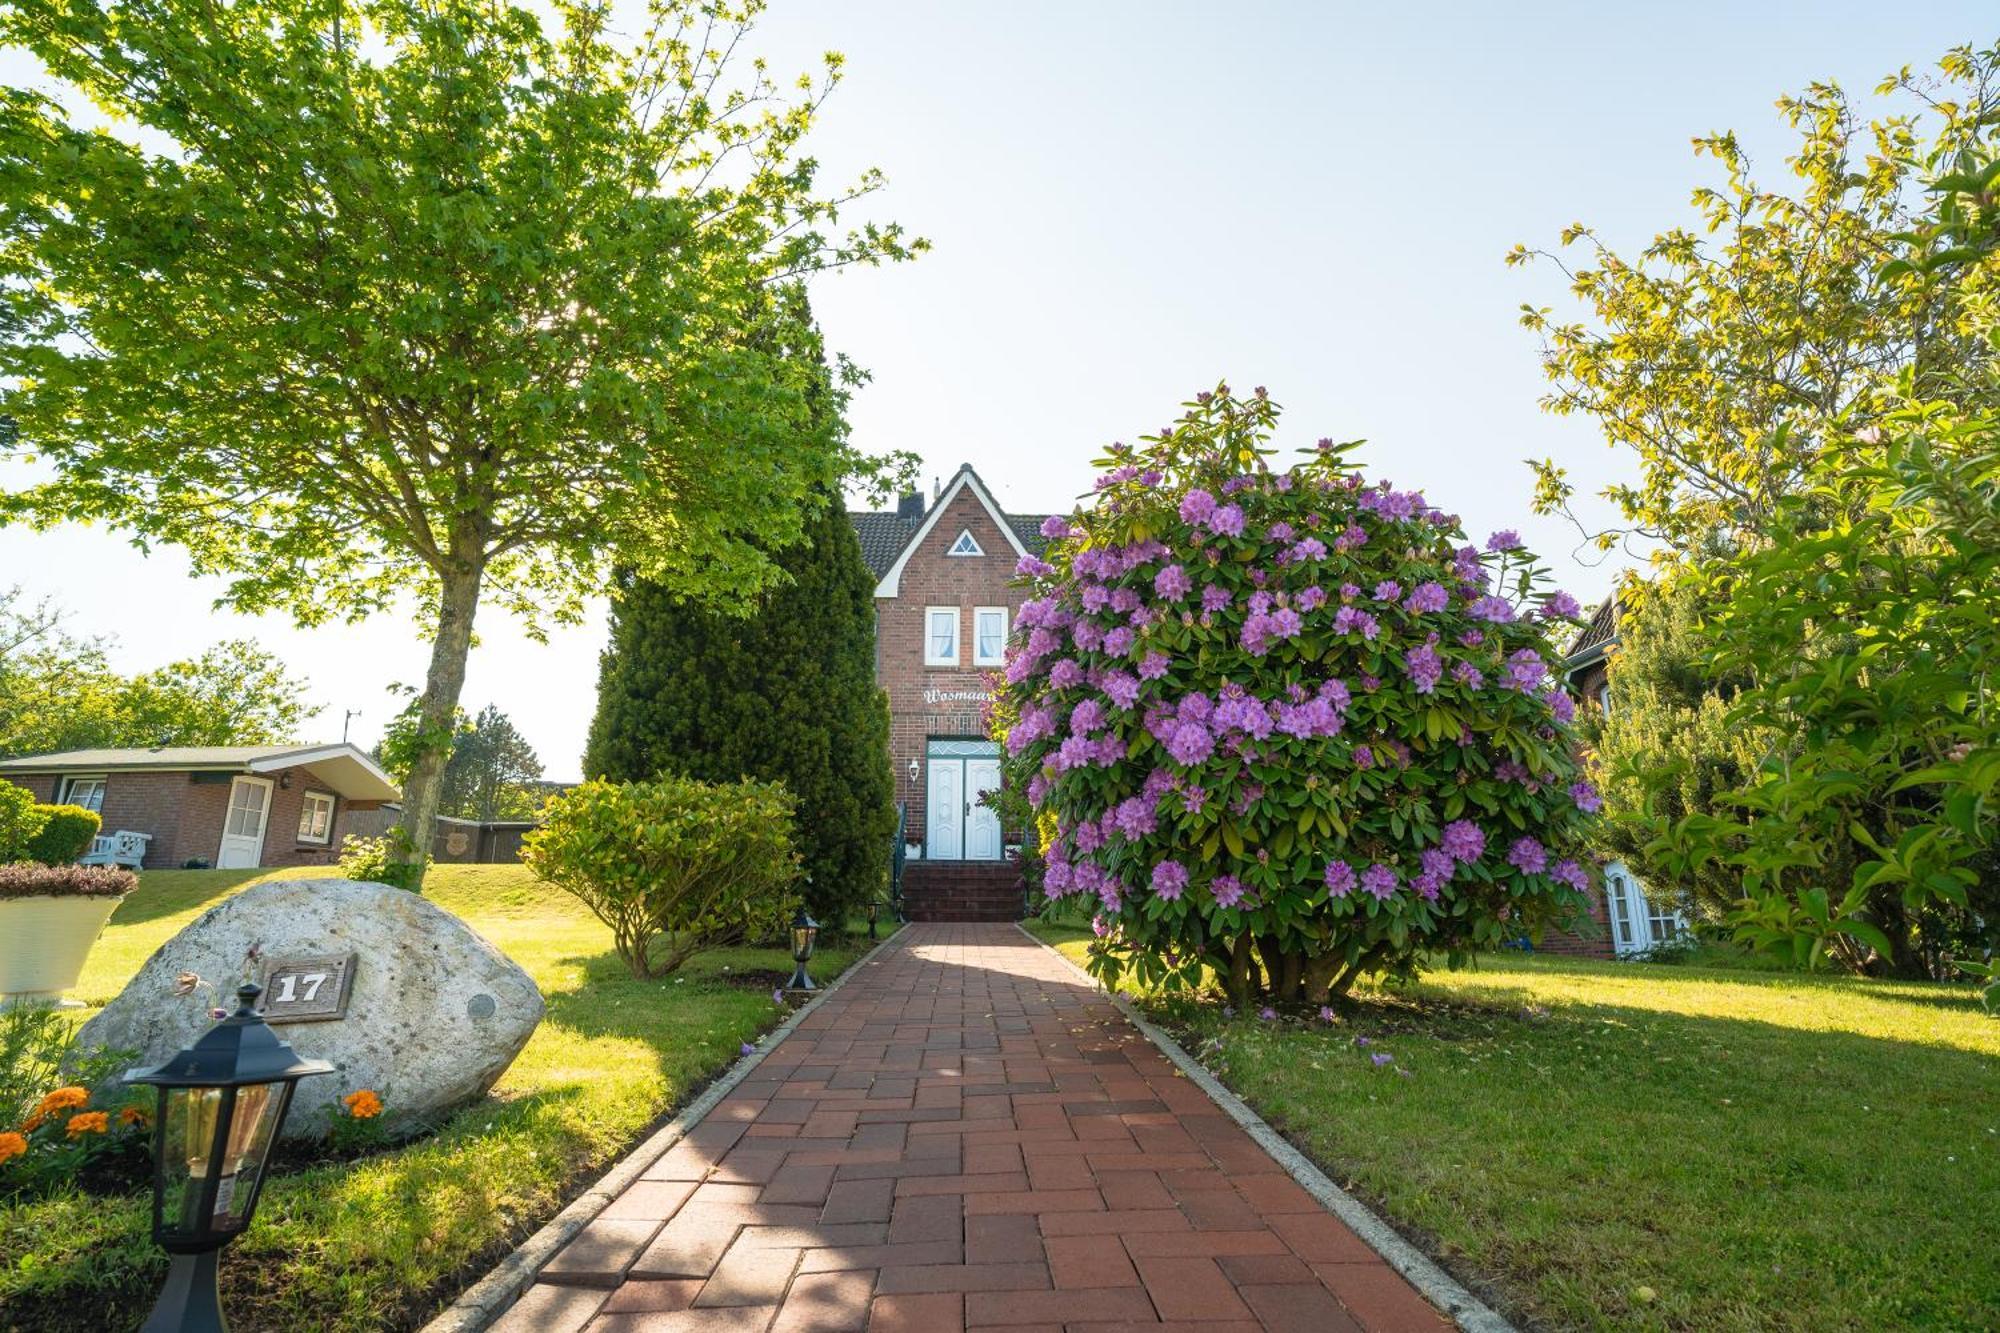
x,y
316,817
940,636
1604,698
989,635
87,792
965,545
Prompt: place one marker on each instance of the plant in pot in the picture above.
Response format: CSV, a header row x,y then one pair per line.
x,y
49,918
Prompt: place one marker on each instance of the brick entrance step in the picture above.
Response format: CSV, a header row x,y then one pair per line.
x,y
962,890
964,1136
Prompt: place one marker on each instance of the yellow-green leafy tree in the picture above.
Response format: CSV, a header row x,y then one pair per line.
x,y
419,302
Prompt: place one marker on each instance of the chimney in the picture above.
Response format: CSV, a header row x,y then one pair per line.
x,y
937,489
911,505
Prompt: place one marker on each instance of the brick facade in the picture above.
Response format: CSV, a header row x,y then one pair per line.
x,y
183,811
927,702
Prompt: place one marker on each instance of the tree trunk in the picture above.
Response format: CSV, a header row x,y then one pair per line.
x,y
437,711
1239,972
1319,976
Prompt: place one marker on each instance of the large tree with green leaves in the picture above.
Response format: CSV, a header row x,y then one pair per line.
x,y
1671,711
493,772
60,692
1727,354
788,694
434,302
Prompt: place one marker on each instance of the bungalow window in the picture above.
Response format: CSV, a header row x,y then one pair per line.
x,y
965,545
989,635
1604,698
316,817
86,792
941,636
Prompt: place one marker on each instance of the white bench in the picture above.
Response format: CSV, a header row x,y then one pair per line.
x,y
123,848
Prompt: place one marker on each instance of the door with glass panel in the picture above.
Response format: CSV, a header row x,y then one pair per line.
x,y
249,812
961,825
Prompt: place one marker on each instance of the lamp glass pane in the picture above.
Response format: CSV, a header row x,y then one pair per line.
x,y
184,1150
258,1107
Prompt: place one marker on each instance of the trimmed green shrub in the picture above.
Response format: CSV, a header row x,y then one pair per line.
x,y
673,866
786,694
374,861
20,820
26,879
65,834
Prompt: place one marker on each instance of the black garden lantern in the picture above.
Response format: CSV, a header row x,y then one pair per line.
x,y
805,933
221,1104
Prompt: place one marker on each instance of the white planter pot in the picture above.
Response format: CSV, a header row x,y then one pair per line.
x,y
43,942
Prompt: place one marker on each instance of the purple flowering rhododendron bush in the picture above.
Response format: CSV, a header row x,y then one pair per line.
x,y
1289,725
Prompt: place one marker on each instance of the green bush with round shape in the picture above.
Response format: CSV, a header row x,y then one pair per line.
x,y
21,818
1289,725
65,835
672,866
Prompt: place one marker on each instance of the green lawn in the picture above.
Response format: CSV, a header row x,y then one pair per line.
x,y
1634,1146
382,1243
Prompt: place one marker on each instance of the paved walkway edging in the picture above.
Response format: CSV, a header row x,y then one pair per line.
x,y
480,1304
1437,1286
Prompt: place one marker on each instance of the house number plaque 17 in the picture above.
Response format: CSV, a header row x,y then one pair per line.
x,y
307,990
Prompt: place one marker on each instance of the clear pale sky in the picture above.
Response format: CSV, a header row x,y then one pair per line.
x,y
1129,201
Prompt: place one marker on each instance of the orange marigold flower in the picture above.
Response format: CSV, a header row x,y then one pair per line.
x,y
132,1115
62,1099
362,1104
12,1145
88,1122
33,1123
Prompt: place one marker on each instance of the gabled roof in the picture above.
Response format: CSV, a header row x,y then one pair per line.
x,y
888,538
1598,634
344,767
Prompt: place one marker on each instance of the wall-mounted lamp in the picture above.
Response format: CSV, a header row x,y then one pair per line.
x,y
284,782
914,771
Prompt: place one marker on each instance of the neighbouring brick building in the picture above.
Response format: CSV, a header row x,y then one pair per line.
x,y
945,602
230,806
1628,919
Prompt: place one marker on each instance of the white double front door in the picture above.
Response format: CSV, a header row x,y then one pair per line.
x,y
962,827
243,825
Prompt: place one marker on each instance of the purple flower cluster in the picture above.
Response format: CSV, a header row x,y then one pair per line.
x,y
1464,840
1426,598
1525,670
1425,668
1169,879
1528,856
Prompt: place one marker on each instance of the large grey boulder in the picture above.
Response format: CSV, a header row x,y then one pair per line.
x,y
434,1016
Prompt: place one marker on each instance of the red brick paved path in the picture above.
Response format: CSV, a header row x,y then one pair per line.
x,y
963,1136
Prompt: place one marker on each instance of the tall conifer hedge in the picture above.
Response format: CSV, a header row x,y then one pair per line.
x,y
786,694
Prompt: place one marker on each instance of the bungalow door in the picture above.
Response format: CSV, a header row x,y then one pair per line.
x,y
243,825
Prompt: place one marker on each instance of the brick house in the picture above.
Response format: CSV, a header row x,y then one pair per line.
x,y
944,604
230,806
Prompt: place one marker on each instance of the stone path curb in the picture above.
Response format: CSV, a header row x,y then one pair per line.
x,y
1437,1286
487,1299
